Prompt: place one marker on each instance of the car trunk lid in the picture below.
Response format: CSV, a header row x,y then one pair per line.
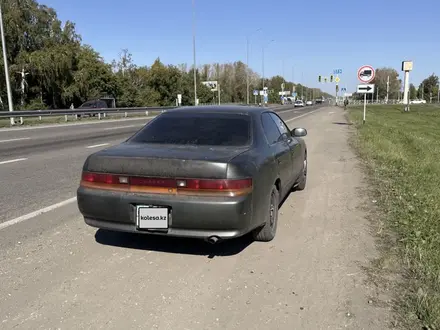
x,y
137,159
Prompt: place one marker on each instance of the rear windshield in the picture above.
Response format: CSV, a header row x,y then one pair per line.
x,y
197,129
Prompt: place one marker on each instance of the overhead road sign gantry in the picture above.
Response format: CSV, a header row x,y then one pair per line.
x,y
366,74
365,89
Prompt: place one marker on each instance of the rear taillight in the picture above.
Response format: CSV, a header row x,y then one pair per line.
x,y
166,185
100,178
218,184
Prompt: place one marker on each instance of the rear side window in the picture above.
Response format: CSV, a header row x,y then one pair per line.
x,y
281,126
270,128
197,129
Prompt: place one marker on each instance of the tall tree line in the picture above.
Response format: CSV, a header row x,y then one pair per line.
x,y
59,70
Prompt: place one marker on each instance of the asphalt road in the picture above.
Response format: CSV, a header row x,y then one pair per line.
x,y
58,273
41,166
20,142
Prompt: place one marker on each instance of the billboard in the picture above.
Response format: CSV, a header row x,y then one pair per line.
x,y
212,85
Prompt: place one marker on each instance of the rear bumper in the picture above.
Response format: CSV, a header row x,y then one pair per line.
x,y
195,217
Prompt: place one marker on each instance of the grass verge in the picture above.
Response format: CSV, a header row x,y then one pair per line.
x,y
402,153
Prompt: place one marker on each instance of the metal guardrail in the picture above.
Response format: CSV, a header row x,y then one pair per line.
x,y
78,111
101,112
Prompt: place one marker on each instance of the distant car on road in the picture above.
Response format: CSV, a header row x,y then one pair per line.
x,y
417,102
299,103
93,105
309,103
203,172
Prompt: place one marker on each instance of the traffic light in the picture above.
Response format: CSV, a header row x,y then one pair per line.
x,y
319,78
331,78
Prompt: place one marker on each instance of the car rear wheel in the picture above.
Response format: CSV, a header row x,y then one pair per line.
x,y
268,231
303,180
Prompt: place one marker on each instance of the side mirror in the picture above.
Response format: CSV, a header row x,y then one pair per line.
x,y
299,132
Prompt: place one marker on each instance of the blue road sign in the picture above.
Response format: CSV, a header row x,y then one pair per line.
x,y
343,89
255,92
337,71
266,98
294,94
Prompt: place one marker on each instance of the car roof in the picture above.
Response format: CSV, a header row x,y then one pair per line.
x,y
230,109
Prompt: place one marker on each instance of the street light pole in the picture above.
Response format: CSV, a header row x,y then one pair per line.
x,y
263,59
194,52
247,66
5,59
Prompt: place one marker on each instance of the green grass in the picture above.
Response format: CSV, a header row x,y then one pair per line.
x,y
402,153
32,121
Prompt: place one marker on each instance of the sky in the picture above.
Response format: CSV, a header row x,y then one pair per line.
x,y
311,38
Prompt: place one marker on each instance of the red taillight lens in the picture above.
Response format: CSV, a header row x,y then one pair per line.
x,y
180,184
100,178
218,184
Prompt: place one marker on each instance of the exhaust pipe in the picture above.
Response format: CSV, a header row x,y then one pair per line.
x,y
213,239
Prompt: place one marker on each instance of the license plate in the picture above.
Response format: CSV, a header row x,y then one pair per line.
x,y
152,217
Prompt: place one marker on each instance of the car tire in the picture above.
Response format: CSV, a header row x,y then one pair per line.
x,y
303,180
269,229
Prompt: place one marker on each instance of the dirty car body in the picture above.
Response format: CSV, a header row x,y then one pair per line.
x,y
200,172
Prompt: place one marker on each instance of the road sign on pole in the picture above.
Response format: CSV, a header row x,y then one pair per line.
x,y
365,89
255,92
337,71
337,79
366,74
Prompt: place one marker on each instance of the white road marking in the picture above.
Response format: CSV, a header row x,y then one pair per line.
x,y
289,110
12,161
98,145
12,140
331,112
119,127
306,114
36,213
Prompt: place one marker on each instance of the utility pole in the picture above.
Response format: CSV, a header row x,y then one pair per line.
x,y
302,85
438,94
247,66
263,61
23,85
5,59
194,52
407,66
293,81
282,86
388,88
